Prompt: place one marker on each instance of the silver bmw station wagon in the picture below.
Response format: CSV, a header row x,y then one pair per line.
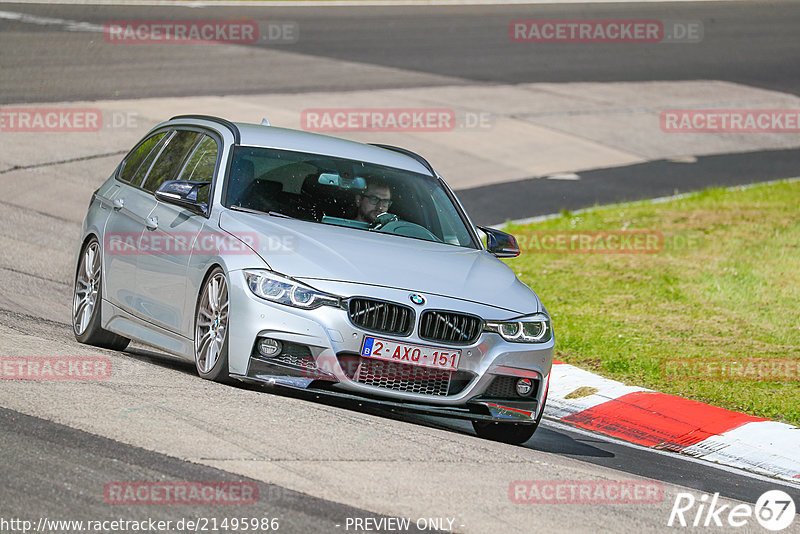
x,y
304,261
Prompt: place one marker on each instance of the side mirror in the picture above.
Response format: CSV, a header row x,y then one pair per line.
x,y
500,244
183,194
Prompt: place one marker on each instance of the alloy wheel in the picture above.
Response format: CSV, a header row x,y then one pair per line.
x,y
212,322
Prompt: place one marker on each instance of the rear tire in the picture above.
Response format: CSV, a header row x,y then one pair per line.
x,y
211,328
87,302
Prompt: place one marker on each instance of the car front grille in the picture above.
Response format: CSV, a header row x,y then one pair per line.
x,y
404,377
449,327
381,316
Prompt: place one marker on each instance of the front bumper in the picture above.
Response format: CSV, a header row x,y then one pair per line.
x,y
329,338
477,409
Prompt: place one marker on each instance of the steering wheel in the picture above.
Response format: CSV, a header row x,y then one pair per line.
x,y
391,224
382,220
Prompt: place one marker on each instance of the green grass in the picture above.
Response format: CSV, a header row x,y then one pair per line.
x,y
725,287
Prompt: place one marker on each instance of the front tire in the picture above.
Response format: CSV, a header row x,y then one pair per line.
x,y
87,301
512,433
211,328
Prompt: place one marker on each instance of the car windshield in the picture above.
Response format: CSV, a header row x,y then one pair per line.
x,y
342,192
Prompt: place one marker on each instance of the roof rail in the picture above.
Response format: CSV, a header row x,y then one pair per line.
x,y
408,153
237,137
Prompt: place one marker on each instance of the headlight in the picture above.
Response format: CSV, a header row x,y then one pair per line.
x,y
533,329
276,288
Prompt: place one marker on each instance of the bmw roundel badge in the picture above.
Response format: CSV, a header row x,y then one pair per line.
x,y
417,299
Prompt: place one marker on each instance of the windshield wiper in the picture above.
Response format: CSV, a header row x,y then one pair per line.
x,y
279,214
258,212
246,210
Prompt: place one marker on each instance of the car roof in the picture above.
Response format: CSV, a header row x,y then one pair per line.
x,y
259,135
300,141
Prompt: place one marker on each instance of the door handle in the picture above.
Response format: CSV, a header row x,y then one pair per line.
x,y
118,204
151,223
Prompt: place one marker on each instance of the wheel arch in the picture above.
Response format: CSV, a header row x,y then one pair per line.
x,y
206,275
88,237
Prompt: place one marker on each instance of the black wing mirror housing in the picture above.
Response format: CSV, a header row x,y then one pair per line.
x,y
500,243
183,194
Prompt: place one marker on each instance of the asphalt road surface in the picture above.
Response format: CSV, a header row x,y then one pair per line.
x,y
155,421
57,54
753,43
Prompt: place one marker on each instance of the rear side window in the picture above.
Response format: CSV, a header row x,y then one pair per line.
x,y
201,165
141,157
171,159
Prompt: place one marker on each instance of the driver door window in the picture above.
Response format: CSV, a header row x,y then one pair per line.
x,y
200,167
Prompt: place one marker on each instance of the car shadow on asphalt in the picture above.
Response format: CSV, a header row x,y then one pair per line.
x,y
145,354
546,439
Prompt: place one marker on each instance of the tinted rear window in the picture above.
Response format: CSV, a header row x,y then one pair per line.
x,y
140,157
171,159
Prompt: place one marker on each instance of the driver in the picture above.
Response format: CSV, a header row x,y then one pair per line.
x,y
375,200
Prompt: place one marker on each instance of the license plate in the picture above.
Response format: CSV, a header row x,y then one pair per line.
x,y
423,356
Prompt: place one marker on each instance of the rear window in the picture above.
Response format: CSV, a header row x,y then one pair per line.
x,y
140,157
171,159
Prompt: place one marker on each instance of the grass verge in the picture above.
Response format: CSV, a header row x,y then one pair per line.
x,y
704,303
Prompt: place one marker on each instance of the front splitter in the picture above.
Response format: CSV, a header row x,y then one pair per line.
x,y
480,409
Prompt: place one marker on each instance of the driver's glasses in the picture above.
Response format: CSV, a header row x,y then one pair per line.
x,y
373,199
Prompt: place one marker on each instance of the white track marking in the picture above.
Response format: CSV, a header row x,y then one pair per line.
x,y
565,427
69,25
